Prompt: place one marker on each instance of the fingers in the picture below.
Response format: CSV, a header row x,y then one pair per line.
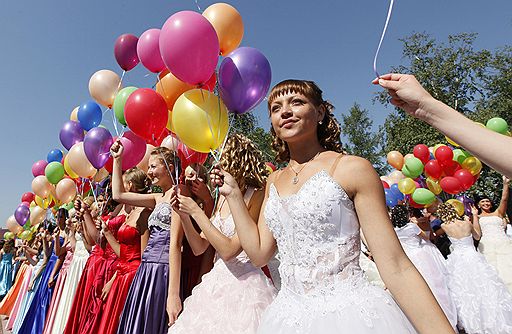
x,y
388,76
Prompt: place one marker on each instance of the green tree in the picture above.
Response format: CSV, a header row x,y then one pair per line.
x,y
360,138
247,125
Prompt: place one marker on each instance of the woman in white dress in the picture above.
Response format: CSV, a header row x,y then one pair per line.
x,y
313,211
495,244
484,305
425,256
232,297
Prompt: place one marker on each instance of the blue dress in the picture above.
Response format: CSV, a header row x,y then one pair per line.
x,y
5,274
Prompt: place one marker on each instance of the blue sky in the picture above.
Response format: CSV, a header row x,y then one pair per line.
x,y
51,48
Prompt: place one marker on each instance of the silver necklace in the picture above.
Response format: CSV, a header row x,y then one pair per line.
x,y
295,179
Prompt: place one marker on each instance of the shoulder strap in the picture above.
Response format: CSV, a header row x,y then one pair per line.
x,y
335,163
248,195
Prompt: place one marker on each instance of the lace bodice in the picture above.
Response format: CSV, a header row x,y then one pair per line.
x,y
161,216
317,233
492,227
462,244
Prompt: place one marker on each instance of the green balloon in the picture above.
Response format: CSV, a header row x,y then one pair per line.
x,y
54,172
459,155
68,206
120,101
408,173
497,124
414,166
423,196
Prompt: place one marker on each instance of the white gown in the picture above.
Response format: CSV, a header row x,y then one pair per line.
x,y
496,246
323,289
484,305
431,265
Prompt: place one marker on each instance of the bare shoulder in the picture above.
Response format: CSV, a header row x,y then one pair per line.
x,y
353,172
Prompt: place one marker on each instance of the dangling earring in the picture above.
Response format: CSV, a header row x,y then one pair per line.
x,y
320,122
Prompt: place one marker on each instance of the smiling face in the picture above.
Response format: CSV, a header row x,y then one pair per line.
x,y
157,172
485,205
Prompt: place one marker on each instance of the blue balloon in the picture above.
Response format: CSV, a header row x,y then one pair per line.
x,y
54,155
89,115
394,189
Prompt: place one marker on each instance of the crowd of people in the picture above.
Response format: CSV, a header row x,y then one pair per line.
x,y
172,251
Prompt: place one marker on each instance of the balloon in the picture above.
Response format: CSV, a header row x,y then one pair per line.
x,y
148,50
415,205
125,51
89,115
396,176
22,214
68,169
395,159
97,143
421,152
25,235
433,169
40,186
120,101
406,186
443,154
37,215
396,192
465,177
433,186
158,140
28,197
70,134
459,207
497,124
450,185
8,235
391,201
38,167
414,166
423,196
103,87
450,167
170,142
200,120
78,161
189,47
100,175
459,155
228,25
54,172
134,151
143,164
54,155
473,165
146,113
74,114
12,225
451,142
170,88
385,185
244,79
66,190
188,156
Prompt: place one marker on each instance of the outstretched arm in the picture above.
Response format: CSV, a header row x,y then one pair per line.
x,y
407,94
502,208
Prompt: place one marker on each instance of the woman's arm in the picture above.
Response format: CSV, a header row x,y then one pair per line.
x,y
255,238
476,230
173,296
56,268
398,273
502,208
197,242
111,239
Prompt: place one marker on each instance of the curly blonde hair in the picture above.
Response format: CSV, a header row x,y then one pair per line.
x,y
244,161
328,132
447,213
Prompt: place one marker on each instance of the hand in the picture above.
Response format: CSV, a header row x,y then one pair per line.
x,y
173,308
226,183
406,93
506,180
106,290
200,190
116,150
474,210
51,282
187,205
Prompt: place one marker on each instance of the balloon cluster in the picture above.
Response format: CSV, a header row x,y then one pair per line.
x,y
421,176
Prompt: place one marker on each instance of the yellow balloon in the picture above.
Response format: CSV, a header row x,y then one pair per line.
x,y
42,203
433,186
406,186
459,207
200,119
68,169
170,127
473,165
74,115
451,142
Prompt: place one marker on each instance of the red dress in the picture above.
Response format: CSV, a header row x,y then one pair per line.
x,y
129,261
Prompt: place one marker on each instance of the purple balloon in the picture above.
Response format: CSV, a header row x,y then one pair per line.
x,y
97,145
22,214
70,134
125,51
244,79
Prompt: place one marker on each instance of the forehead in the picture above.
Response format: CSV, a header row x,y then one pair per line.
x,y
280,99
154,160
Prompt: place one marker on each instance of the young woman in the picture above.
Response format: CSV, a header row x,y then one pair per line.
x,y
6,267
495,244
233,295
484,305
157,280
313,211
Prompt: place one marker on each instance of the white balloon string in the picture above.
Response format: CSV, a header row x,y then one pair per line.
x,y
114,122
121,81
197,4
390,10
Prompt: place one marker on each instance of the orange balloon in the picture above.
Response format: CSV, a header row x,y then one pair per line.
x,y
12,225
170,88
228,25
395,159
100,175
66,190
78,161
143,164
37,215
41,187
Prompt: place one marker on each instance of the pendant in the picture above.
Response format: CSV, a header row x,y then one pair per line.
x,y
295,179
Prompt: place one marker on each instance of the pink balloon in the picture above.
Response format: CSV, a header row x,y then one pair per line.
x,y
148,50
134,149
38,167
125,51
189,47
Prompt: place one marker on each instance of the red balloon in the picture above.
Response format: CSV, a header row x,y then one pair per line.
x,y
157,141
433,169
451,185
385,184
450,168
188,156
27,204
444,154
465,177
210,84
83,185
421,152
414,204
146,113
28,197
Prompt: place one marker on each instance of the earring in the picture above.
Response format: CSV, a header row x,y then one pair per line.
x,y
320,122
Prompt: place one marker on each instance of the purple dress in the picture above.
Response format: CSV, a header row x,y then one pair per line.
x,y
145,307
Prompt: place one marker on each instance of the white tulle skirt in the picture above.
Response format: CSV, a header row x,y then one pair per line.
x,y
498,252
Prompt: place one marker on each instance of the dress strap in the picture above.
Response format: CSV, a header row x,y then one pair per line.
x,y
335,163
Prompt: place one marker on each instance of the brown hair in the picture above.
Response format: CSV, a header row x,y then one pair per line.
x,y
139,180
244,161
328,132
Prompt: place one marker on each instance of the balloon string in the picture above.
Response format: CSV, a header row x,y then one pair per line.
x,y
114,122
121,81
197,4
390,10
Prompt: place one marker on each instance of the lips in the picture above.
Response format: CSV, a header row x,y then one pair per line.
x,y
287,123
